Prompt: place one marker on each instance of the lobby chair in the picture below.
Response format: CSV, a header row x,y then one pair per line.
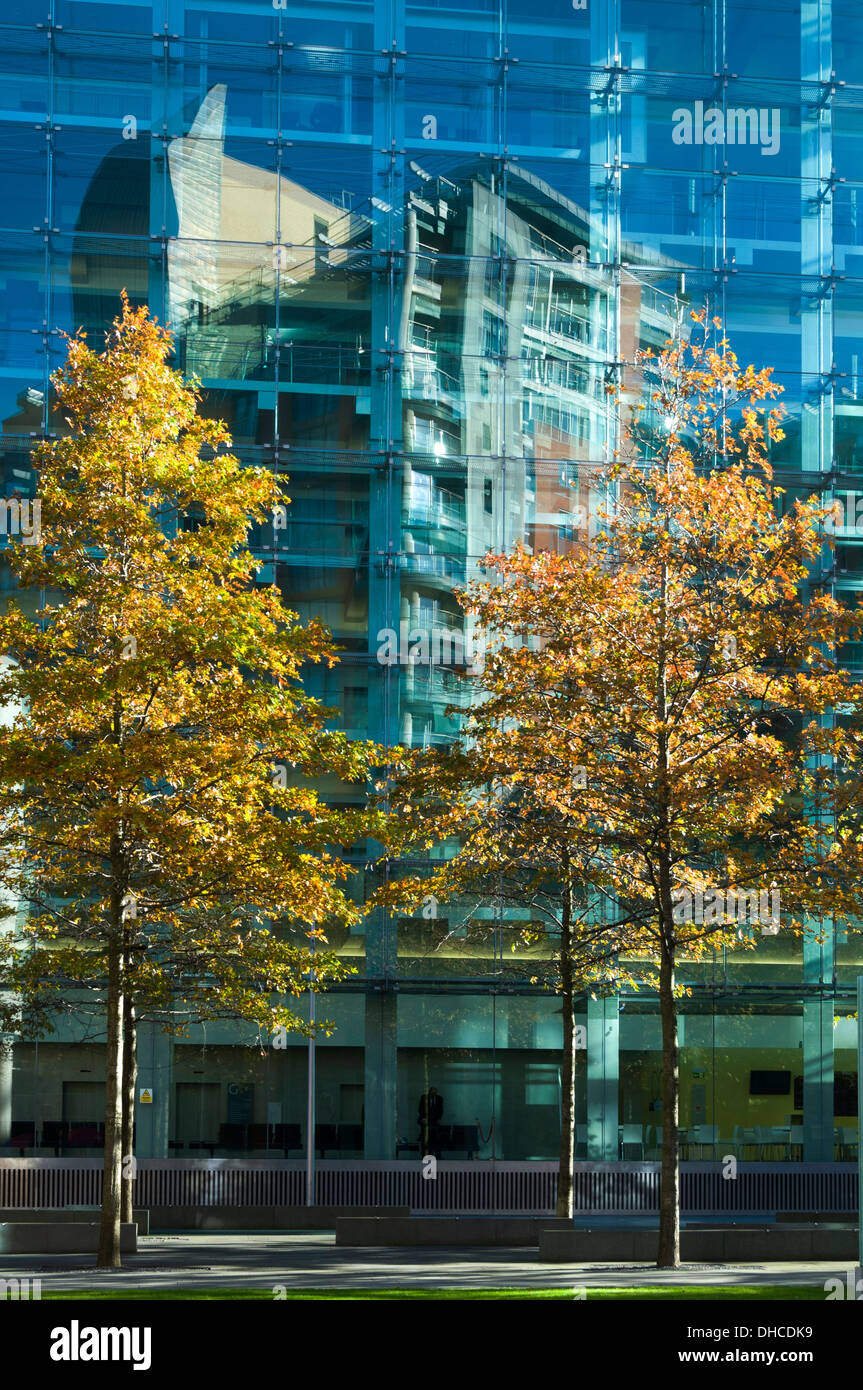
x,y
89,1135
234,1136
209,1144
326,1138
275,1140
23,1136
263,1139
631,1137
745,1138
845,1143
286,1137
705,1137
795,1142
257,1138
780,1140
351,1139
773,1141
54,1136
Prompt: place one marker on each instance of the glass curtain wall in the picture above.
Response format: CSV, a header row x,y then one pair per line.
x,y
406,247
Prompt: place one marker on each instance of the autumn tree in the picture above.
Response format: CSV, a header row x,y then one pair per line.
x,y
160,819
648,727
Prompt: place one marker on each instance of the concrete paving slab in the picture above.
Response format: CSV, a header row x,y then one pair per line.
x,y
312,1260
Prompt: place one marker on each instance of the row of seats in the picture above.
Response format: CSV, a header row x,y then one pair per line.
x,y
634,1141
329,1138
63,1136
279,1138
58,1135
704,1141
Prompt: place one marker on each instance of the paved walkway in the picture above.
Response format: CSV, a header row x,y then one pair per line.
x,y
312,1260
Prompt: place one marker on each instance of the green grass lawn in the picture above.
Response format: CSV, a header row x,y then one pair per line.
x,y
647,1293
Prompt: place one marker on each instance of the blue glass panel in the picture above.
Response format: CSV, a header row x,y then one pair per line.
x,y
547,110
87,275
340,174
130,17
848,41
247,25
222,190
672,37
553,31
105,78
447,42
22,383
847,134
547,208
848,338
455,103
25,12
764,320
326,92
675,216
24,72
344,31
847,204
751,134
23,302
480,14
334,592
762,37
764,224
241,81
770,146
222,304
23,176
101,183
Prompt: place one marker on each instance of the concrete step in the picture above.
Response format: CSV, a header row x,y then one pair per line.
x,y
223,1218
59,1238
444,1230
40,1215
723,1244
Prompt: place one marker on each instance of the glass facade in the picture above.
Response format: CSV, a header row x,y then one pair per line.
x,y
406,247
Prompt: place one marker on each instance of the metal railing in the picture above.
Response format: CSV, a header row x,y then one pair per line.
x,y
479,1186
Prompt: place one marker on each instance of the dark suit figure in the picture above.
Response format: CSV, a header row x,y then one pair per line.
x,y
429,1117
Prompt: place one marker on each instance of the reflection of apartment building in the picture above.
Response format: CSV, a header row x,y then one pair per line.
x,y
503,385
502,333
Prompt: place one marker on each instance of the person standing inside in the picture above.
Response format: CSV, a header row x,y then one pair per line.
x,y
429,1117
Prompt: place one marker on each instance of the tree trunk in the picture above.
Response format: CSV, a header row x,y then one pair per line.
x,y
567,1066
109,1234
130,1077
669,1202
